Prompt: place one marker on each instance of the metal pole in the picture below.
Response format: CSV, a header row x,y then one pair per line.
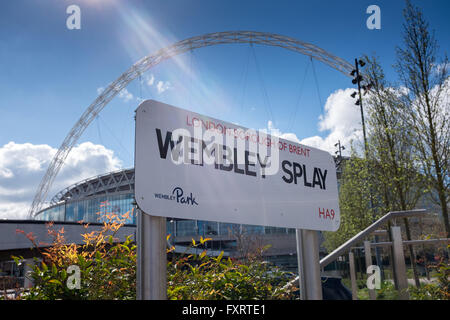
x,y
391,257
358,79
309,265
368,254
28,264
399,263
351,260
151,259
300,259
139,233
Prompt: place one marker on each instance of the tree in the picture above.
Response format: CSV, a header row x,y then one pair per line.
x,y
390,154
354,202
426,107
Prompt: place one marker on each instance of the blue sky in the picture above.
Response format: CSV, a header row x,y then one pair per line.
x,y
50,74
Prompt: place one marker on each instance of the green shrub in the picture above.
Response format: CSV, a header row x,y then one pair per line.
x,y
108,270
387,291
200,277
438,291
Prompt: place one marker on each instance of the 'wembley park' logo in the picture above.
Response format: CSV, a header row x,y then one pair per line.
x,y
178,196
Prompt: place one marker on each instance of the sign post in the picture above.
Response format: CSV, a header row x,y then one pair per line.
x,y
308,265
351,261
191,166
151,270
300,259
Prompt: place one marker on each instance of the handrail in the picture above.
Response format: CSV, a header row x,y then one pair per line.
x,y
407,242
346,246
349,243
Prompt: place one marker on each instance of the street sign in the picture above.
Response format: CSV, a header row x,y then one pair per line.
x,y
192,166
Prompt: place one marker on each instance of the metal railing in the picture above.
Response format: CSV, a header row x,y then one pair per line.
x,y
369,230
396,244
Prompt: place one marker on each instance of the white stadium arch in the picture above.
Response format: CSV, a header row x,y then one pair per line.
x,y
152,60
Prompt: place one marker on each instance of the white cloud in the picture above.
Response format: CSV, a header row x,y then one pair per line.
x,y
272,130
440,67
150,80
342,121
163,86
125,95
22,166
276,132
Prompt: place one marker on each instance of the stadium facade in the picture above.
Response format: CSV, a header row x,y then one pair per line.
x,y
84,200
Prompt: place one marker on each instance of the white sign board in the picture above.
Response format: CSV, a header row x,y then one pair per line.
x,y
195,167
